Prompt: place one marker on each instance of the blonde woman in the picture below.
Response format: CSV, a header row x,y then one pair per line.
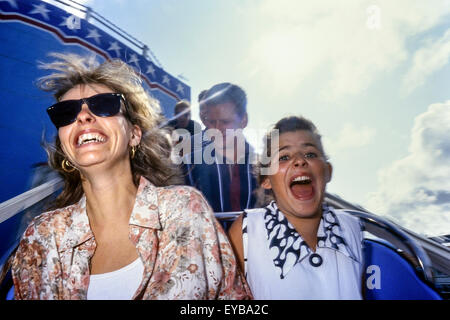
x,y
120,229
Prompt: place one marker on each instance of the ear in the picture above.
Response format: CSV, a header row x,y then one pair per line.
x,y
203,115
244,121
266,184
329,171
136,135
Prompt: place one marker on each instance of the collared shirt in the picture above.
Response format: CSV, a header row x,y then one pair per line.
x,y
280,265
185,252
213,178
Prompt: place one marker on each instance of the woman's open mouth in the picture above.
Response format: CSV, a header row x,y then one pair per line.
x,y
89,138
302,188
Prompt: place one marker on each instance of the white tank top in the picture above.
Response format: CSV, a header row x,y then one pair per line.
x,y
120,284
335,274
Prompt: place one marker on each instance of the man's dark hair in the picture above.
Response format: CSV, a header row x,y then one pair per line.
x,y
223,93
201,95
181,105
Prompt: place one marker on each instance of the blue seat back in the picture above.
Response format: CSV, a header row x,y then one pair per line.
x,y
389,276
7,287
10,294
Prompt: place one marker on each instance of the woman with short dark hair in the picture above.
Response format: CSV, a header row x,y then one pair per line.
x,y
298,247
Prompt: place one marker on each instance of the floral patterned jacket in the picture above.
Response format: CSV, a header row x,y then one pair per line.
x,y
185,251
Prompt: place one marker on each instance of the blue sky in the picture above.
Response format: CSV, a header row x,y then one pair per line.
x,y
372,75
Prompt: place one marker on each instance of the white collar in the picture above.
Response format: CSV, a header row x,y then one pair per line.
x,y
287,247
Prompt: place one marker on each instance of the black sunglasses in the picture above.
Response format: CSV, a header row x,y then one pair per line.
x,y
102,105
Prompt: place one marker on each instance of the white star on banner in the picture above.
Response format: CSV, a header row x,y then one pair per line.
x,y
180,88
71,22
93,33
40,9
114,46
150,70
166,80
12,3
134,59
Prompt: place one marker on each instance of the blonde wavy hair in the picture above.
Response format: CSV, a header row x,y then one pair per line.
x,y
152,157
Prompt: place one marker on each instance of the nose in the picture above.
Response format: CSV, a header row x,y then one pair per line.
x,y
85,115
213,124
300,161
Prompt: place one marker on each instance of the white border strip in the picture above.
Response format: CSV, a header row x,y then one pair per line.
x,y
25,200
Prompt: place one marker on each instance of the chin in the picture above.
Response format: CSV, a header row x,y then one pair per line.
x,y
308,210
87,163
307,214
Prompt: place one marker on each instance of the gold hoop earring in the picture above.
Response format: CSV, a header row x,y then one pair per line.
x,y
133,152
67,166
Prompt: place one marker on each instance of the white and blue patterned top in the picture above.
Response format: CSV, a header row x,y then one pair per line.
x,y
280,265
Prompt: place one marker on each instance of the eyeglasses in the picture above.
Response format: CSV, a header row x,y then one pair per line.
x,y
102,105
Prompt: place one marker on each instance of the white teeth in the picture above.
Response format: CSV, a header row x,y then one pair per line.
x,y
90,137
301,178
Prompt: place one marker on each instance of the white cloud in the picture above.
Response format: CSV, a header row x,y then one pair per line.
x,y
350,137
428,59
299,40
415,190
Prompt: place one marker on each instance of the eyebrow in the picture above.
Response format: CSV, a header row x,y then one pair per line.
x,y
306,144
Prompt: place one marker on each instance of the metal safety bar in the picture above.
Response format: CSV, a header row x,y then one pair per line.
x,y
420,251
438,254
25,200
386,230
